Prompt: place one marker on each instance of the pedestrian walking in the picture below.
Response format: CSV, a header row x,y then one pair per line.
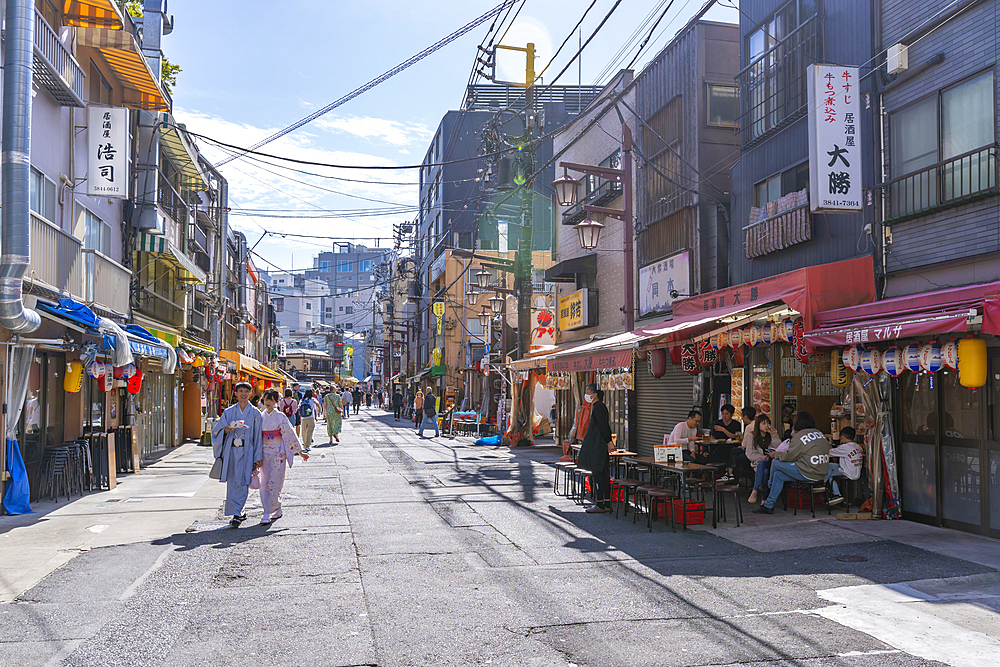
x,y
279,445
297,395
289,406
345,402
308,409
418,408
368,399
397,404
357,396
596,449
430,413
236,439
334,420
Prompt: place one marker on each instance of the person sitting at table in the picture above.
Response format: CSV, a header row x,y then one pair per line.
x,y
596,449
726,428
851,457
787,418
738,460
807,459
759,440
686,434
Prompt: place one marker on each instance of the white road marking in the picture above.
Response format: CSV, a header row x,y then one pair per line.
x,y
98,528
883,612
130,591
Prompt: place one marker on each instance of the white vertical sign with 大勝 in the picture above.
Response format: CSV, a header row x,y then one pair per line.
x,y
834,139
107,152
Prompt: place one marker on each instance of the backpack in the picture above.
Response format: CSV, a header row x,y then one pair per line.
x,y
429,409
287,408
306,409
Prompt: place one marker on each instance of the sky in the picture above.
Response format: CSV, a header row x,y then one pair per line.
x,y
251,68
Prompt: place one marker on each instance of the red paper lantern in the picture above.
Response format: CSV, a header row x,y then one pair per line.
x,y
798,341
675,356
135,382
738,357
657,360
689,358
118,372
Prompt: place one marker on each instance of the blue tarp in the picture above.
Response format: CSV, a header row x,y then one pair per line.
x,y
73,311
136,330
17,494
146,350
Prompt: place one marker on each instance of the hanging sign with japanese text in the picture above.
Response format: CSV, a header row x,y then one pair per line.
x,y
834,138
659,279
107,152
573,310
439,314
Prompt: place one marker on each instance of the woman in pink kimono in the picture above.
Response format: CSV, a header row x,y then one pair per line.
x,y
280,447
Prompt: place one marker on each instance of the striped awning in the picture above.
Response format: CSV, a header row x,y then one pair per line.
x,y
122,52
196,346
263,371
92,14
188,271
177,146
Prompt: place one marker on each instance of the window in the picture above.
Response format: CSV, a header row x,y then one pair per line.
x,y
345,266
42,195
474,327
325,265
779,185
279,305
774,83
723,103
341,309
95,232
943,148
348,326
100,89
329,309
309,325
349,311
309,306
365,265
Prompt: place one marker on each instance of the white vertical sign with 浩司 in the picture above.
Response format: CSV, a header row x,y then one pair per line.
x,y
107,152
834,139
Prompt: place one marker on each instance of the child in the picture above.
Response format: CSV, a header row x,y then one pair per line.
x,y
851,457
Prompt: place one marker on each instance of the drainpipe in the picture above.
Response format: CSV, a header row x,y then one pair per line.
x,y
15,218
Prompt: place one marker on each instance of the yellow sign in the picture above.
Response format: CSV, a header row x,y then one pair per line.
x,y
573,310
436,356
439,313
349,351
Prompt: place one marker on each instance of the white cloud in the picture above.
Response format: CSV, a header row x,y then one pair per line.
x,y
379,129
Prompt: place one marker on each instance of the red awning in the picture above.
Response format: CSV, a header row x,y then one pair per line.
x,y
940,312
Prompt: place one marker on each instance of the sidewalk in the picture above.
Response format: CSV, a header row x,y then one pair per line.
x,y
155,502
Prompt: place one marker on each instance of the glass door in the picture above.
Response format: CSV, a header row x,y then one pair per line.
x,y
992,446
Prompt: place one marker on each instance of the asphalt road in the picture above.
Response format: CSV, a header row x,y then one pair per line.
x,y
399,551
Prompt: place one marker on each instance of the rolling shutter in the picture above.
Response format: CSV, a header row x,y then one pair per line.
x,y
660,403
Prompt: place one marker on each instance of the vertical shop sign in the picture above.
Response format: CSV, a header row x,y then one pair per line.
x,y
107,152
834,146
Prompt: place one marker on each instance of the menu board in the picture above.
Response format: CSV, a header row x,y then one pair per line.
x,y
736,391
762,390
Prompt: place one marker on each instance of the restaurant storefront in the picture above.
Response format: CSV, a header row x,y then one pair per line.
x,y
937,359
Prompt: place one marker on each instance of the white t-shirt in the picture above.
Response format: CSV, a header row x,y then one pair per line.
x,y
680,435
851,457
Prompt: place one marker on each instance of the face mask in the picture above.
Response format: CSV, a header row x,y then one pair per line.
x,y
590,398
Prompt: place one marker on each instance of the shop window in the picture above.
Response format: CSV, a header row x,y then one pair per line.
x,y
960,409
920,410
943,148
723,103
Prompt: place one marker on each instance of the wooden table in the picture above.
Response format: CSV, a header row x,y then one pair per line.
x,y
682,470
616,455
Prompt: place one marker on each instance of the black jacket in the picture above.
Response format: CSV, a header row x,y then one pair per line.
x,y
594,450
397,399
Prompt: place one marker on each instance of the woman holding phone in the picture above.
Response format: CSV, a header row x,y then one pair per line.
x,y
760,439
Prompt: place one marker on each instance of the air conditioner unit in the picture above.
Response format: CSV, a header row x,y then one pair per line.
x,y
897,58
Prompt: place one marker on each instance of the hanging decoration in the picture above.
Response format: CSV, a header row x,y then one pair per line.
x,y
852,358
892,361
949,354
972,362
689,358
930,357
767,333
754,335
738,357
787,330
117,372
95,369
799,342
73,380
707,355
656,362
839,375
135,382
871,361
911,357
128,371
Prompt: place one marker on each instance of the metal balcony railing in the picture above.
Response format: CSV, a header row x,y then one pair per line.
x,y
603,194
773,88
159,307
106,282
778,225
55,68
55,257
947,183
171,201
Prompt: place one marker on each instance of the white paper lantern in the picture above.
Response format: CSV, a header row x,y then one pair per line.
x,y
911,357
96,368
754,335
930,357
852,358
871,361
767,333
892,362
949,355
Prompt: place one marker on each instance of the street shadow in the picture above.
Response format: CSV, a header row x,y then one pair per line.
x,y
221,537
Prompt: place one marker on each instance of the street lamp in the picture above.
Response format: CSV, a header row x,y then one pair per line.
x,y
496,303
590,232
471,297
566,189
484,318
483,278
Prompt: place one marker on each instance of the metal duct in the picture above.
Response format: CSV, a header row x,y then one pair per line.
x,y
15,218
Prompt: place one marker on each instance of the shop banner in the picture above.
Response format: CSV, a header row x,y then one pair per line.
x,y
107,152
573,310
834,138
874,332
597,361
659,279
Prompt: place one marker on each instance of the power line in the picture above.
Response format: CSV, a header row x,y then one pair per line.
x,y
383,77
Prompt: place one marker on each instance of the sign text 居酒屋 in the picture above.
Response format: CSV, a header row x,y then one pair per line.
x,y
659,279
573,310
834,138
107,152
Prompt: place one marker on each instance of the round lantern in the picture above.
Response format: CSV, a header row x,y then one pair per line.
x,y
73,380
107,382
675,355
118,372
754,335
657,360
738,357
767,333
930,357
972,362
185,356
852,358
871,361
911,357
949,355
839,375
787,330
135,382
198,362
96,369
128,371
892,362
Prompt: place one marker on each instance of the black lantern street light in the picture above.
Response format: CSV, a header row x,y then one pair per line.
x,y
589,231
566,189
